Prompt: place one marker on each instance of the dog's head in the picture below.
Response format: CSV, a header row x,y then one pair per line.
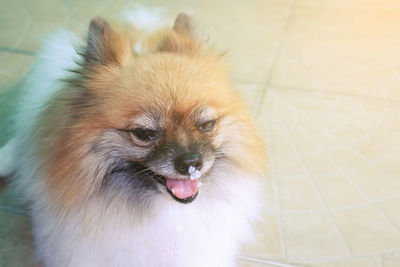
x,y
137,126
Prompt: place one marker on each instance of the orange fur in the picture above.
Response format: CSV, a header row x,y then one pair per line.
x,y
116,86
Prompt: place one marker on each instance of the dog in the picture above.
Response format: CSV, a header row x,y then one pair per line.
x,y
135,158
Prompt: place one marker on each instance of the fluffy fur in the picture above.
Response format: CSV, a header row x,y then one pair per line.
x,y
77,163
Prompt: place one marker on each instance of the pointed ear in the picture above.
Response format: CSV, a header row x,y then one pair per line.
x,y
182,38
183,24
105,46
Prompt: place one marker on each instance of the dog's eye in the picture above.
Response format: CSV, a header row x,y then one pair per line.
x,y
145,134
207,126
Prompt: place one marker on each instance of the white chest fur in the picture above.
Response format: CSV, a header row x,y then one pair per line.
x,y
207,232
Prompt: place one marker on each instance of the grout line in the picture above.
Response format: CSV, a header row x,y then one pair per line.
x,y
28,29
350,207
105,7
282,236
351,118
268,262
356,186
380,261
78,7
274,60
332,93
331,259
276,192
17,51
361,191
243,81
372,202
341,125
376,160
369,202
320,196
378,123
238,85
314,184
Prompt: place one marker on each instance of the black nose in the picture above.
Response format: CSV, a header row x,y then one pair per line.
x,y
184,161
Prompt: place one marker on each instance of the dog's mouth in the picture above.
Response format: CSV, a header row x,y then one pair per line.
x,y
182,190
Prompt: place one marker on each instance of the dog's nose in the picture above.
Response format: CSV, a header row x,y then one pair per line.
x,y
184,161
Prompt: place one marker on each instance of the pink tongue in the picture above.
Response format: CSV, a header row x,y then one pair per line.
x,y
183,188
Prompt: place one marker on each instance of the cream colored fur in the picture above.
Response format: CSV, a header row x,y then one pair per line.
x,y
205,233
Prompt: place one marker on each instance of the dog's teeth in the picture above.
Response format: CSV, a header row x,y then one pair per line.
x,y
173,191
191,169
199,184
195,175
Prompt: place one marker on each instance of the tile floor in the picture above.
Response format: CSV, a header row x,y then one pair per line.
x,y
322,77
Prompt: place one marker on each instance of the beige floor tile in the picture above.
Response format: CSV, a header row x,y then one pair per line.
x,y
343,4
348,136
282,150
268,191
391,259
13,25
250,92
347,158
304,140
299,194
286,163
290,167
267,241
391,122
337,50
14,67
367,230
314,129
228,31
375,182
310,115
254,263
372,148
319,163
391,208
25,27
391,162
337,191
385,137
328,136
311,235
329,141
368,262
250,31
280,143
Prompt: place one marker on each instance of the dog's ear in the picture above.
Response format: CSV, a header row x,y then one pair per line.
x,y
105,46
183,24
182,38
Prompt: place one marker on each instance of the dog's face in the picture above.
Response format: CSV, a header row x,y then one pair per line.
x,y
155,124
164,122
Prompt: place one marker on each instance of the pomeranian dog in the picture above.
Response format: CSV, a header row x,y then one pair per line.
x,y
135,159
